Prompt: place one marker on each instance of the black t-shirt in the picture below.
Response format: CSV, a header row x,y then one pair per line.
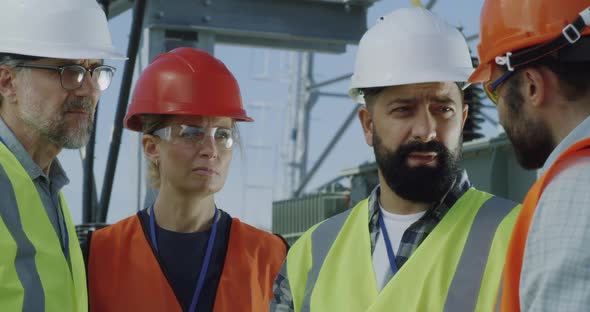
x,y
181,256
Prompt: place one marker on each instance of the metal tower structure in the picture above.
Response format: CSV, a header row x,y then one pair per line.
x,y
304,94
301,102
164,25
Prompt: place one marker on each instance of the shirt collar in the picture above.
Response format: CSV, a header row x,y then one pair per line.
x,y
580,132
438,210
56,173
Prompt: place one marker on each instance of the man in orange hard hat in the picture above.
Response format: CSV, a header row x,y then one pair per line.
x,y
535,65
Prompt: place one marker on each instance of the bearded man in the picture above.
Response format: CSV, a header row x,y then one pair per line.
x,y
425,239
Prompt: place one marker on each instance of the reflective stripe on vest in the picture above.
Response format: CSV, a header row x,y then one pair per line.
x,y
464,286
34,274
118,282
321,240
510,294
462,295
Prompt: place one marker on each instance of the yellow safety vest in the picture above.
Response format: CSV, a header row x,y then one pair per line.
x,y
458,267
34,273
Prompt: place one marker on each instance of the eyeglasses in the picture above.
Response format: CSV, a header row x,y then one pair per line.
x,y
72,76
189,135
491,87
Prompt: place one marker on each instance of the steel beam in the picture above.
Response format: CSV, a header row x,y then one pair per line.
x,y
327,150
113,156
328,82
328,26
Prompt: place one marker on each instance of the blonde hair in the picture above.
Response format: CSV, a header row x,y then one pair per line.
x,y
151,123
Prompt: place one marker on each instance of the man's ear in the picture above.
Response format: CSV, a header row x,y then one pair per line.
x,y
150,148
366,120
465,114
534,86
7,84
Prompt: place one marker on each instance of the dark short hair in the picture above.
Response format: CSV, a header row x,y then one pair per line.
x,y
370,93
574,77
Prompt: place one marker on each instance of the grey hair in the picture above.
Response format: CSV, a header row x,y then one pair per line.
x,y
10,62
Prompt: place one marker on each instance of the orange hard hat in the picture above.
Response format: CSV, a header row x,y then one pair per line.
x,y
185,81
511,25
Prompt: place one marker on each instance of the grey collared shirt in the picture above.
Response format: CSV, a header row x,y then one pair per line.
x,y
48,187
556,265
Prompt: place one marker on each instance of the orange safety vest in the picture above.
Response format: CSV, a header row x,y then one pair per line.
x,y
124,274
510,289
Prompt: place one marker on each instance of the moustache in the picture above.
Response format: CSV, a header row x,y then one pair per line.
x,y
83,104
415,146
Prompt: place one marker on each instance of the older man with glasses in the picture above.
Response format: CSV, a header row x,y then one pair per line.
x,y
51,75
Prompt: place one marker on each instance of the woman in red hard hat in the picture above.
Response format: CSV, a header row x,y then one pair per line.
x,y
183,253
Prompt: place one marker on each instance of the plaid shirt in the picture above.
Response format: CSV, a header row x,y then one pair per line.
x,y
412,238
417,232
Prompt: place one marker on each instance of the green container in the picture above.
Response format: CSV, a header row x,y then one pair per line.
x,y
490,163
292,217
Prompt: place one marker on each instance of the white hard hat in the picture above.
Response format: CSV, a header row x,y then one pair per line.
x,y
410,45
68,29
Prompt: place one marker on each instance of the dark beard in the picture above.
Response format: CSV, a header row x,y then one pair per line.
x,y
423,184
531,139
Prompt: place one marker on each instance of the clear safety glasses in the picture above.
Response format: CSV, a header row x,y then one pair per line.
x,y
492,87
191,135
72,76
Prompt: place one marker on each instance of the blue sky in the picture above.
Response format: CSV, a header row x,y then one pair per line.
x,y
258,171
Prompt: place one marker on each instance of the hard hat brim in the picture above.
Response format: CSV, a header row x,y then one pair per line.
x,y
61,51
482,73
134,121
412,76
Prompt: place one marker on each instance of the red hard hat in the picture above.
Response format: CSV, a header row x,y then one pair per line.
x,y
185,81
512,25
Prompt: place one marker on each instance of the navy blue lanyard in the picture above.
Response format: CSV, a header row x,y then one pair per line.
x,y
390,253
67,236
206,261
61,219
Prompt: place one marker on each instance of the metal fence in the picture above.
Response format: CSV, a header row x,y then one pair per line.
x,y
292,217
